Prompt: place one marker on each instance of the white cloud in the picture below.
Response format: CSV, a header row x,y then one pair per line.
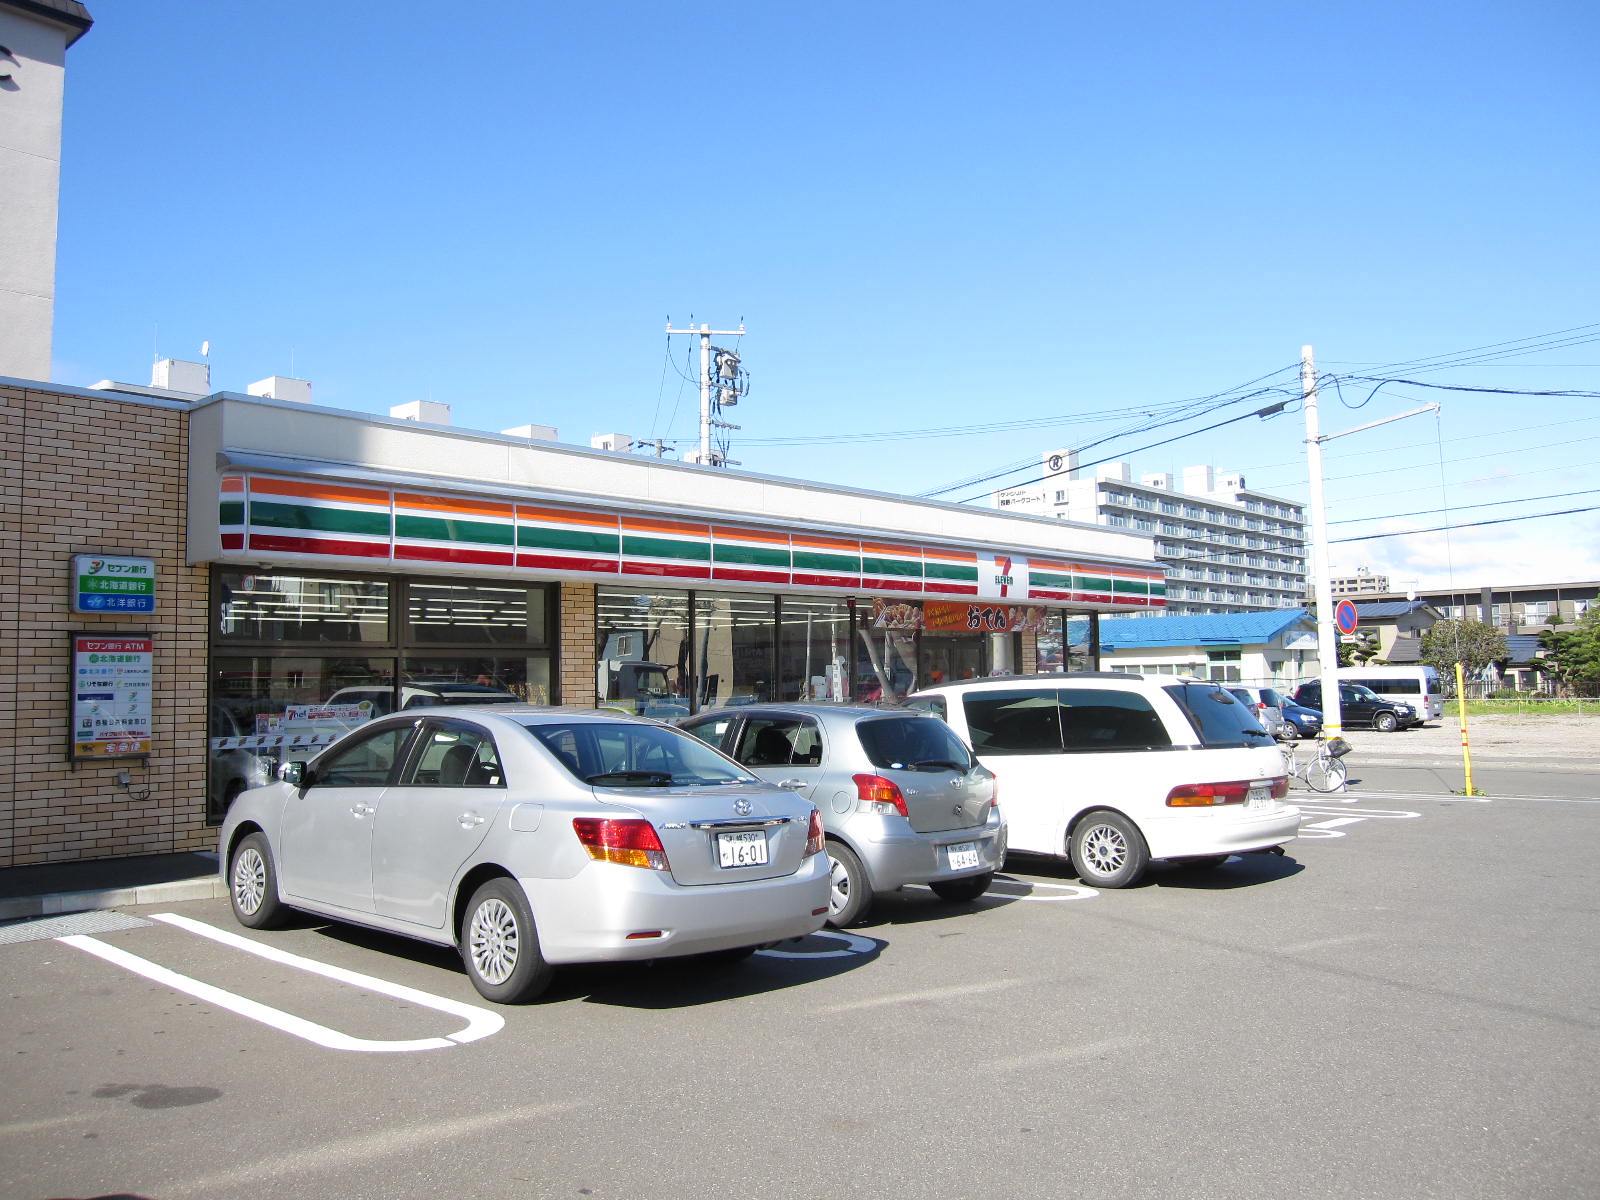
x,y
1546,550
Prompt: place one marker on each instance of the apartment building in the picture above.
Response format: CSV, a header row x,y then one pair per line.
x,y
1362,583
1226,547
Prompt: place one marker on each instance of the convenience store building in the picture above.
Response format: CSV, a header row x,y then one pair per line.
x,y
197,587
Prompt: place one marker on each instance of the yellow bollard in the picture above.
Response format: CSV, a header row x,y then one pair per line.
x,y
1466,748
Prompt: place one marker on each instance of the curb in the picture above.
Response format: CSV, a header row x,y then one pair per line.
x,y
54,904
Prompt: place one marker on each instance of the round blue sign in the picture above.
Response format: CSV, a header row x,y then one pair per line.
x,y
1344,616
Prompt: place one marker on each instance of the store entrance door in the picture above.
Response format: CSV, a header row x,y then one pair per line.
x,y
947,658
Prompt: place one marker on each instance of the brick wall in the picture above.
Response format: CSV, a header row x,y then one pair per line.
x,y
82,475
576,652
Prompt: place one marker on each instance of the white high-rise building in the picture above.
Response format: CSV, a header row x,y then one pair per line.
x,y
1226,547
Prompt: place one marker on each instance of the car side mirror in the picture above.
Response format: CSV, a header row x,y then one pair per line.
x,y
293,773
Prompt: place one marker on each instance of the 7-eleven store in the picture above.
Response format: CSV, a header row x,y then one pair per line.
x,y
313,566
356,557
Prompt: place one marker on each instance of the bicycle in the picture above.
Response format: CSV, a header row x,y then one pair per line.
x,y
1325,771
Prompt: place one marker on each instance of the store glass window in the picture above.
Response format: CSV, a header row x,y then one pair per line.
x,y
258,607
734,648
299,657
464,612
643,651
813,649
437,679
266,709
886,651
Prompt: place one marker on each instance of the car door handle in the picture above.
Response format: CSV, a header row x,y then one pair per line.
x,y
470,820
362,810
792,783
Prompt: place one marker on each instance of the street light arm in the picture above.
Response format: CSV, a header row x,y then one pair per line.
x,y
1416,412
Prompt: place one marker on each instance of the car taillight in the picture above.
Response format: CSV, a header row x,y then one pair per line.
x,y
814,842
880,795
631,841
994,796
1202,795
1196,795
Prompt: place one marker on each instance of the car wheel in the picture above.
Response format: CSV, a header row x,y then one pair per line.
x,y
253,884
500,946
849,893
1385,722
959,890
1108,851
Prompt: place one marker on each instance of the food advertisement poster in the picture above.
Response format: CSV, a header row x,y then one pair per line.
x,y
111,691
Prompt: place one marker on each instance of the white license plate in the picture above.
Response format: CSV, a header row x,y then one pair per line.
x,y
1258,797
964,855
746,849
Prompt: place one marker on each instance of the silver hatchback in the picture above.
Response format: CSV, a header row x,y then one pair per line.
x,y
902,798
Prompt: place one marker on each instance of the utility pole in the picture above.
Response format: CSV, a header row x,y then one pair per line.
x,y
1321,572
1327,636
708,419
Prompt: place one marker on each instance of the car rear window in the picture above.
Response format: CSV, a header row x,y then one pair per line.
x,y
1218,718
905,743
1062,721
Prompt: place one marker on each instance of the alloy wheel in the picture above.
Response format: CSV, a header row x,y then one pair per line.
x,y
493,940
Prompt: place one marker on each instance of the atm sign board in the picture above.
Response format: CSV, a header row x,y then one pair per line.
x,y
111,701
103,584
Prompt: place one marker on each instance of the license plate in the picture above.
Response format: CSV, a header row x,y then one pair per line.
x,y
964,855
1258,797
745,849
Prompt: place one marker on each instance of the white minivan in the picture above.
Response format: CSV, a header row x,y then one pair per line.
x,y
1417,686
1114,770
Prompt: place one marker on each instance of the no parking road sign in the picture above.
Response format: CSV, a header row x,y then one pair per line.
x,y
1344,616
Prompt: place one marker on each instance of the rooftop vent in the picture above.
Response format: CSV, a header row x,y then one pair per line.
x,y
175,375
534,433
428,412
281,387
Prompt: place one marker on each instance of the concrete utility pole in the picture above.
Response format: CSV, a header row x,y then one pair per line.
x,y
706,420
1327,635
1321,572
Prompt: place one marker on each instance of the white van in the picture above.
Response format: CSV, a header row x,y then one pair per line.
x,y
1417,686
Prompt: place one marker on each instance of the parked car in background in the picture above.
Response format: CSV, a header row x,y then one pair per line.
x,y
902,799
422,695
1415,685
1087,768
1361,707
1301,721
1267,704
530,837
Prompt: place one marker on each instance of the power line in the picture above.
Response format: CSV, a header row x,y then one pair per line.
x,y
1428,512
1270,411
1566,512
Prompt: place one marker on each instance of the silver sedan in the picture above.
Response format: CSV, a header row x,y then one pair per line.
x,y
902,798
529,837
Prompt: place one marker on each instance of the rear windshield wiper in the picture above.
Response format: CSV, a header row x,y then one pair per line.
x,y
938,762
632,778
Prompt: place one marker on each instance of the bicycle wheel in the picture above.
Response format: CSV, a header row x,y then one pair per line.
x,y
1325,773
1288,759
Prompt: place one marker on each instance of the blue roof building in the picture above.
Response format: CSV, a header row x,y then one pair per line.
x,y
1277,648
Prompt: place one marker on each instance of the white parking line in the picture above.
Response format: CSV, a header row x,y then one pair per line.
x,y
1334,824
480,1021
852,945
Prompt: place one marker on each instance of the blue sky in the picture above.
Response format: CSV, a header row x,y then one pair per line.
x,y
928,216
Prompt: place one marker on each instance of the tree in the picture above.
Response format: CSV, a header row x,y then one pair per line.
x,y
1572,656
1360,651
1473,644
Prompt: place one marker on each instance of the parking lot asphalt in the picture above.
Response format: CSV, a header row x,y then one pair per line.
x,y
1403,1006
